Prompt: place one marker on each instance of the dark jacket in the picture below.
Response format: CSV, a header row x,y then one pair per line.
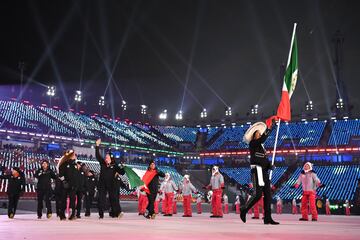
x,y
69,175
107,172
258,152
16,185
81,181
91,184
154,184
44,179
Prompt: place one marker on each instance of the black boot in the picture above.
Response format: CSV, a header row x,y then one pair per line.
x,y
271,222
243,215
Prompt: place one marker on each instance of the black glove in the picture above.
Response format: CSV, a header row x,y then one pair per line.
x,y
293,186
272,167
322,185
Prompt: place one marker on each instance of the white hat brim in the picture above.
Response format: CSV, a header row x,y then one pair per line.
x,y
259,126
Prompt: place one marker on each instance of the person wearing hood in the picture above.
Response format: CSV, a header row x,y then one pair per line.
x,y
43,188
16,186
198,204
68,175
151,185
91,184
237,204
226,204
217,185
310,182
260,166
168,187
106,184
294,206
187,188
347,208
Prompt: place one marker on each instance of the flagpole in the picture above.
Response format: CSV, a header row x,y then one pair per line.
x,y
276,140
278,127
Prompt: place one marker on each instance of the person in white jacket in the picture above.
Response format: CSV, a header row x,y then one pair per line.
x,y
186,188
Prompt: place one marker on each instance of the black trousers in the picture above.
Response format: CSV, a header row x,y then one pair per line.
x,y
103,190
79,196
43,195
13,202
151,197
89,196
258,192
71,193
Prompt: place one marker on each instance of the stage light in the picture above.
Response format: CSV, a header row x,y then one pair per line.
x,y
123,105
50,91
78,96
143,109
102,101
309,106
203,114
163,115
179,115
254,109
340,103
228,111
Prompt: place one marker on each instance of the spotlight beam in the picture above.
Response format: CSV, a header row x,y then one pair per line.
x,y
49,47
183,59
193,47
166,64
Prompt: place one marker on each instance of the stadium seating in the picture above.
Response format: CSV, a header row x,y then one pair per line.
x,y
341,182
343,130
242,175
179,134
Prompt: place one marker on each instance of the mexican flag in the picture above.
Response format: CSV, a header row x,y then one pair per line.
x,y
134,175
290,78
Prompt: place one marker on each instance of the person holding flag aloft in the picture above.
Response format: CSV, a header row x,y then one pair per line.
x,y
256,135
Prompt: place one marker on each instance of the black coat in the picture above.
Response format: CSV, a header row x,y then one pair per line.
x,y
154,184
44,179
107,172
16,185
69,175
81,181
258,152
91,184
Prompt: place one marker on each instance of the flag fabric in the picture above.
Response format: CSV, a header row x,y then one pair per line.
x,y
134,175
290,78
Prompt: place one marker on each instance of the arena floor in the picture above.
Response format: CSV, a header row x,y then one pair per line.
x,y
132,226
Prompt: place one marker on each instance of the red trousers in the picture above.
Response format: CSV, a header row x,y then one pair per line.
x,y
216,202
168,202
294,209
308,198
257,206
347,211
187,205
156,207
327,209
142,204
163,206
278,209
226,208
198,207
237,208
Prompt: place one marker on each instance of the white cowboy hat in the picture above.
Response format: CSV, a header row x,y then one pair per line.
x,y
259,126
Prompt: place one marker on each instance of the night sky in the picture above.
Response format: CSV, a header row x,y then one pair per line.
x,y
227,53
